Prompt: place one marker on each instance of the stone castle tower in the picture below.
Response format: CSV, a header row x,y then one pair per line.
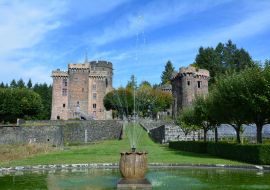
x,y
186,84
79,92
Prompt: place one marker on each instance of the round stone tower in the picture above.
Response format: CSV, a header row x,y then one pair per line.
x,y
186,84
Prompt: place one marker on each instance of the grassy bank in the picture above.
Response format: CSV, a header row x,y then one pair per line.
x,y
108,152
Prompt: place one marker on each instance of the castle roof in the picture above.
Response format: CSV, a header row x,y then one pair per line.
x,y
86,59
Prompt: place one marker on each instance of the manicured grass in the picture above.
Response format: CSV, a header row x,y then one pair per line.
x,y
108,152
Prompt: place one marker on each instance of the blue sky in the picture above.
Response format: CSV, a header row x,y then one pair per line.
x,y
37,37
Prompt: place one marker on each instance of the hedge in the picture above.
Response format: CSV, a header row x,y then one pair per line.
x,y
252,153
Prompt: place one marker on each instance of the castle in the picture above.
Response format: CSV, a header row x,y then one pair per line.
x,y
79,92
185,84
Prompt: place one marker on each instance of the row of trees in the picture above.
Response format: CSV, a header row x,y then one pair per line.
x,y
25,101
238,98
148,101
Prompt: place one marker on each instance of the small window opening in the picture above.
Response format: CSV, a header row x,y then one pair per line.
x,y
94,113
64,92
76,79
64,105
94,105
199,84
78,102
64,82
58,117
168,113
94,87
48,139
82,89
94,96
102,69
188,83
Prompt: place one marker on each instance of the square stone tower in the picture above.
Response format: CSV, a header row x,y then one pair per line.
x,y
80,90
186,84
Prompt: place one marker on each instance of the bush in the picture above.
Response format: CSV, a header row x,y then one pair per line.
x,y
74,119
252,153
190,146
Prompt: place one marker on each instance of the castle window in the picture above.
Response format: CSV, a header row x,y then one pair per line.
x,y
199,84
82,89
94,87
168,113
64,105
188,83
76,79
94,105
102,69
64,82
58,117
78,102
94,96
64,92
94,113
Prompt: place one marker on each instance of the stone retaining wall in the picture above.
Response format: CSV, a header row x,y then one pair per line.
x,y
59,131
166,131
31,133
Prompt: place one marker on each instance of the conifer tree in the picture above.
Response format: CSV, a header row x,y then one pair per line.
x,y
165,77
29,84
132,84
2,85
13,84
20,83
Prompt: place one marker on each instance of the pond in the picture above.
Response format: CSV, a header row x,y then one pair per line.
x,y
184,178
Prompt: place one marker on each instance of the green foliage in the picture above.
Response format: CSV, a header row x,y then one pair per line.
x,y
2,85
17,103
74,119
13,84
132,84
186,120
252,153
29,84
222,59
145,85
190,146
20,83
120,100
168,83
152,101
165,77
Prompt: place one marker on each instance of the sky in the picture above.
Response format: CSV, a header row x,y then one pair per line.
x,y
137,36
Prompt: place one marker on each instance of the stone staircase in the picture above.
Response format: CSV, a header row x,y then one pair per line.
x,y
83,116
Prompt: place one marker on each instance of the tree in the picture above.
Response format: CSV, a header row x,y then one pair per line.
x,y
132,84
165,77
29,84
20,83
13,84
2,85
18,103
145,85
149,102
185,120
222,59
120,100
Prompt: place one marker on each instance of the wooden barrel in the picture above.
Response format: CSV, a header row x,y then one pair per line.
x,y
133,165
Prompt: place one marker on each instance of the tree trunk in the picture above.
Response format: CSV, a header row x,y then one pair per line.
x,y
185,137
216,134
238,134
259,132
204,132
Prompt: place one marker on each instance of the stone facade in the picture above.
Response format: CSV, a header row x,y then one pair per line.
x,y
168,112
186,84
82,88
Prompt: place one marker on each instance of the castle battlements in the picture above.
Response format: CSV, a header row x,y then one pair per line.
x,y
59,73
101,64
201,73
78,66
164,87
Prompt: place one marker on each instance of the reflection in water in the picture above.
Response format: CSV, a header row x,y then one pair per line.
x,y
161,178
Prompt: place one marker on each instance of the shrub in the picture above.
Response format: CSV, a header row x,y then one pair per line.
x,y
74,119
190,146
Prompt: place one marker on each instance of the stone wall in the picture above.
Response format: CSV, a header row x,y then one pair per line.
x,y
31,133
166,131
60,130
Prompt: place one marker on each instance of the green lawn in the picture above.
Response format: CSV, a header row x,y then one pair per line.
x,y
108,152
